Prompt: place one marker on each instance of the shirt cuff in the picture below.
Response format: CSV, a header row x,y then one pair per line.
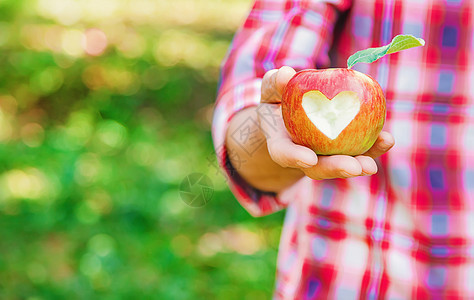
x,y
247,94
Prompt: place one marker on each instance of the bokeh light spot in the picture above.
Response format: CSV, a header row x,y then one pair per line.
x,y
99,201
53,38
36,272
101,244
181,245
210,244
32,135
94,42
6,129
172,205
8,104
47,81
72,42
93,77
29,184
88,168
98,10
90,264
131,44
144,154
154,78
79,127
85,214
233,238
112,134
66,12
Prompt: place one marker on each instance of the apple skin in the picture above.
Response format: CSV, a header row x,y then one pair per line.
x,y
362,131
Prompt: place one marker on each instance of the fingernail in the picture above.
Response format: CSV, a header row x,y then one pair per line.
x,y
345,174
303,165
385,145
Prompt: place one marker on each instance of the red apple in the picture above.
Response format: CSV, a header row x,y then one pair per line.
x,y
333,111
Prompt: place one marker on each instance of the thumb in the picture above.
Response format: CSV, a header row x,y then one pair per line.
x,y
273,84
283,75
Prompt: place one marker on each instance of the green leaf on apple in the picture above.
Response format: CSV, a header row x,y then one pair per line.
x,y
398,43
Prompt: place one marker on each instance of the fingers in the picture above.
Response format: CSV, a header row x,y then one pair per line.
x,y
274,82
335,166
384,142
341,166
368,165
283,151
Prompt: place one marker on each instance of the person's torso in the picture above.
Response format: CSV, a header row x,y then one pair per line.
x,y
407,232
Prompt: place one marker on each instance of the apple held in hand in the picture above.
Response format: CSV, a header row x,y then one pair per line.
x,y
334,111
339,111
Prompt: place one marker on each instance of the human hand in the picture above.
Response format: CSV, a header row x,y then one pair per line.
x,y
285,153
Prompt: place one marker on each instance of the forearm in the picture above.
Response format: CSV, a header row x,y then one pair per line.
x,y
256,166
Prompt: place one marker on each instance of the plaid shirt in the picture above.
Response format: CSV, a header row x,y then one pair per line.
x,y
408,231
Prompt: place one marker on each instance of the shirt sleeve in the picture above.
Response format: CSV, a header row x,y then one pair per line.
x,y
275,34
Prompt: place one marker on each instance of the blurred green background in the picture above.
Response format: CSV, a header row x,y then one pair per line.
x,y
105,107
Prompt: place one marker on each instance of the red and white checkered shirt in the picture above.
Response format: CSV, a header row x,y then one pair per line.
x,y
407,232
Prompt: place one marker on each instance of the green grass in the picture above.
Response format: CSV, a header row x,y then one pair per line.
x,y
93,150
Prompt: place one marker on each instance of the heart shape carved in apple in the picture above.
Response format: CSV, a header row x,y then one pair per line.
x,y
331,116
